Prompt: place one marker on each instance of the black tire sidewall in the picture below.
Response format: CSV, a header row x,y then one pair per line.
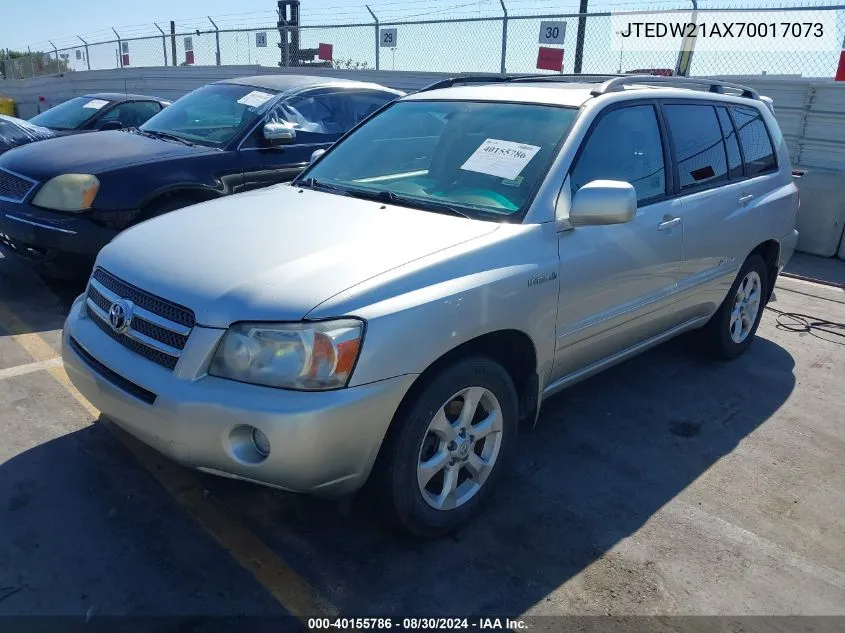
x,y
408,506
726,345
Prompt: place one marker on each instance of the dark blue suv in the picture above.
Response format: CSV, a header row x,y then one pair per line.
x,y
63,199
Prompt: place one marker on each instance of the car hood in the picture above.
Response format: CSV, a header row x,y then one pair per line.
x,y
92,154
276,253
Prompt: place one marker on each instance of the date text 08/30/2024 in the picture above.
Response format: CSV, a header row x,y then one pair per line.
x,y
416,624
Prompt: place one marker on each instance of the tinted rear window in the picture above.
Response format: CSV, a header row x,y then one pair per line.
x,y
699,149
754,138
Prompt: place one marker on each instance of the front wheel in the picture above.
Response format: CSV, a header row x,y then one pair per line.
x,y
446,449
731,330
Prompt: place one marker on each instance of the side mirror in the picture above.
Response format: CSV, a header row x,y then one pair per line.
x,y
603,202
111,125
316,154
278,133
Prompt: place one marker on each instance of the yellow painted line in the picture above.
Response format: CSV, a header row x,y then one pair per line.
x,y
23,335
291,590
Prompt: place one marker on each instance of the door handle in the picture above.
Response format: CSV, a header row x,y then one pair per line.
x,y
668,225
746,199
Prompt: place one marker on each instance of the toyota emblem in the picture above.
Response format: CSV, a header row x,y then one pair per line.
x,y
120,315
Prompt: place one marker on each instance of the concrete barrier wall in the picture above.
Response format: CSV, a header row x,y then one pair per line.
x,y
821,217
811,114
170,82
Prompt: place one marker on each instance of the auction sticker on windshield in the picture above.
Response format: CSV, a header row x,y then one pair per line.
x,y
504,159
255,98
95,104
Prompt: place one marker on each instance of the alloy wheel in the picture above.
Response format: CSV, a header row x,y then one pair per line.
x,y
746,307
460,448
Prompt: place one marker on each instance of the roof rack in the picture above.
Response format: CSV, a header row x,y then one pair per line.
x,y
609,83
618,83
472,79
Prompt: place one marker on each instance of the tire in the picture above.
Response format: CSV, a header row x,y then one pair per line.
x,y
727,335
412,440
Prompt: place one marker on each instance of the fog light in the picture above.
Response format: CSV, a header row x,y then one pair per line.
x,y
260,442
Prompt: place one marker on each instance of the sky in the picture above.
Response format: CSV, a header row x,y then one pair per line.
x,y
452,47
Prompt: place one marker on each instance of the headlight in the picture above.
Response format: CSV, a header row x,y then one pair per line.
x,y
308,356
68,192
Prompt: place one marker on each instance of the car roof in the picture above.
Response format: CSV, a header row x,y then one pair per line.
x,y
574,92
565,94
284,83
122,96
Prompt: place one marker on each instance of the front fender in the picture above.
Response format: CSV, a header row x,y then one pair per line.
x,y
133,187
506,280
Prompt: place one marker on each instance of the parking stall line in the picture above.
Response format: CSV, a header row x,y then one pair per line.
x,y
292,591
28,368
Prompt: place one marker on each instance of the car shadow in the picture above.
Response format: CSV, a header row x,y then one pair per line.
x,y
39,305
605,456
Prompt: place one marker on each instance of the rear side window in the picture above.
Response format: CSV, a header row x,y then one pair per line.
x,y
754,138
699,149
731,144
624,145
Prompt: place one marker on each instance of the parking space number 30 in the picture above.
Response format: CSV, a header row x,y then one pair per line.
x,y
552,32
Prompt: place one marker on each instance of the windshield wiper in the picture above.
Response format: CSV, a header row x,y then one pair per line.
x,y
317,185
168,136
395,198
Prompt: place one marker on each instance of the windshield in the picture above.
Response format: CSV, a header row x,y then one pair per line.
x,y
70,115
212,115
486,159
15,132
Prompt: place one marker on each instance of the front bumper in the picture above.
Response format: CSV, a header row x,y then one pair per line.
x,y
322,443
55,243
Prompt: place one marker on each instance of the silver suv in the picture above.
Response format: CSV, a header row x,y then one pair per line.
x,y
393,315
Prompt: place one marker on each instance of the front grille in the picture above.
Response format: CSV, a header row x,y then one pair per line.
x,y
165,360
167,337
156,305
14,187
139,324
150,332
127,385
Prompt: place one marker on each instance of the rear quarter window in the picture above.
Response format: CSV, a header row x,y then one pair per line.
x,y
755,140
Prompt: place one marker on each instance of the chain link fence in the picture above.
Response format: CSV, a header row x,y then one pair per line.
x,y
491,45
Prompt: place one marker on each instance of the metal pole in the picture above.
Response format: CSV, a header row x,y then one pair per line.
x,y
31,63
378,44
163,42
216,37
684,63
282,25
504,35
87,56
579,45
56,53
621,50
119,48
173,40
